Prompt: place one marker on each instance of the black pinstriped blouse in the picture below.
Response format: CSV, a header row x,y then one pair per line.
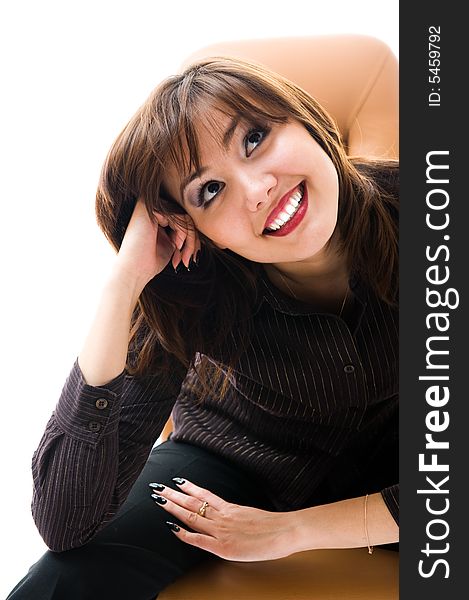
x,y
313,407
312,412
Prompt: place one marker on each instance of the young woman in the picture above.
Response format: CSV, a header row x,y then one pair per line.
x,y
254,296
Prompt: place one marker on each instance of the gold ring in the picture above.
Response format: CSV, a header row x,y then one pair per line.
x,y
202,509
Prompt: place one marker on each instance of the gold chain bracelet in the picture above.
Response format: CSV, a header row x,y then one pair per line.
x,y
370,548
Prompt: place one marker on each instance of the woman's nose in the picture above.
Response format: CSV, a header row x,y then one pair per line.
x,y
258,191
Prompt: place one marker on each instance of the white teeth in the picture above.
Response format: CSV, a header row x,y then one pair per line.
x,y
289,210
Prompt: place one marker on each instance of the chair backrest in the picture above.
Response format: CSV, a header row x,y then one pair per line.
x,y
354,77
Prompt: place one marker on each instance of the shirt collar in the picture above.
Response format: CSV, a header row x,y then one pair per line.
x,y
291,306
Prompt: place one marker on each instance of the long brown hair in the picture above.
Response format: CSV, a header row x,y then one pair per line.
x,y
181,315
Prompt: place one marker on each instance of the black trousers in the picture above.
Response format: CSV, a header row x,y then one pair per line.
x,y
136,556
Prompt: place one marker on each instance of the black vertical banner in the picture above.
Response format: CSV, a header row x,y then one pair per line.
x,y
434,240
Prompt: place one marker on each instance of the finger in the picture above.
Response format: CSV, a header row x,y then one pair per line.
x,y
197,243
191,519
180,230
177,235
179,238
176,258
198,247
189,246
186,501
162,219
201,493
185,231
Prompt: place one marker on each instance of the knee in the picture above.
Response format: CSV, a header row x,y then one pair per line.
x,y
57,576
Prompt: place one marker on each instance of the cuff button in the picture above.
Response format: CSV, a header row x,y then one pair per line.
x,y
94,426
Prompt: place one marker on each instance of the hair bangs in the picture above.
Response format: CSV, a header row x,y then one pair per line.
x,y
195,102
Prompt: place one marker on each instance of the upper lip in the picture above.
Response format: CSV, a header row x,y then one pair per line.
x,y
280,206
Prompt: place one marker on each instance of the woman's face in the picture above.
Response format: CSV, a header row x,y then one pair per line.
x,y
268,193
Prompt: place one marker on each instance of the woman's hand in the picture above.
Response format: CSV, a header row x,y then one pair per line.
x,y
228,530
145,251
147,248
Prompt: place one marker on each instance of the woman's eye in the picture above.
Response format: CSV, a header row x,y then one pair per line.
x,y
209,191
253,139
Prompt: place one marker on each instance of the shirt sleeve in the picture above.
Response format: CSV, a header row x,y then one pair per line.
x,y
391,498
92,451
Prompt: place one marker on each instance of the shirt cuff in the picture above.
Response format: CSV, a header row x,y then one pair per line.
x,y
391,498
87,412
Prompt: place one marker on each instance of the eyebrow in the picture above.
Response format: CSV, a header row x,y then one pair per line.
x,y
227,137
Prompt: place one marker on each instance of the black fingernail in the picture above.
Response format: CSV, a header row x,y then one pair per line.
x,y
196,257
173,526
179,480
178,268
159,499
159,487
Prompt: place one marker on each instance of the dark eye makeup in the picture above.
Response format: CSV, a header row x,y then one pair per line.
x,y
209,190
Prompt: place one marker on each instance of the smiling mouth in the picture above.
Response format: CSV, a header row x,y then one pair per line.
x,y
288,211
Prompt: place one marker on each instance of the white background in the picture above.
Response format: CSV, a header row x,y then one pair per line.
x,y
72,74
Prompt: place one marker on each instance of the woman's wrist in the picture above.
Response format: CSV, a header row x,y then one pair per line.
x,y
126,282
104,352
353,523
301,536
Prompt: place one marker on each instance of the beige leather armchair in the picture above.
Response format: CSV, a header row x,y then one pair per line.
x,y
356,79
